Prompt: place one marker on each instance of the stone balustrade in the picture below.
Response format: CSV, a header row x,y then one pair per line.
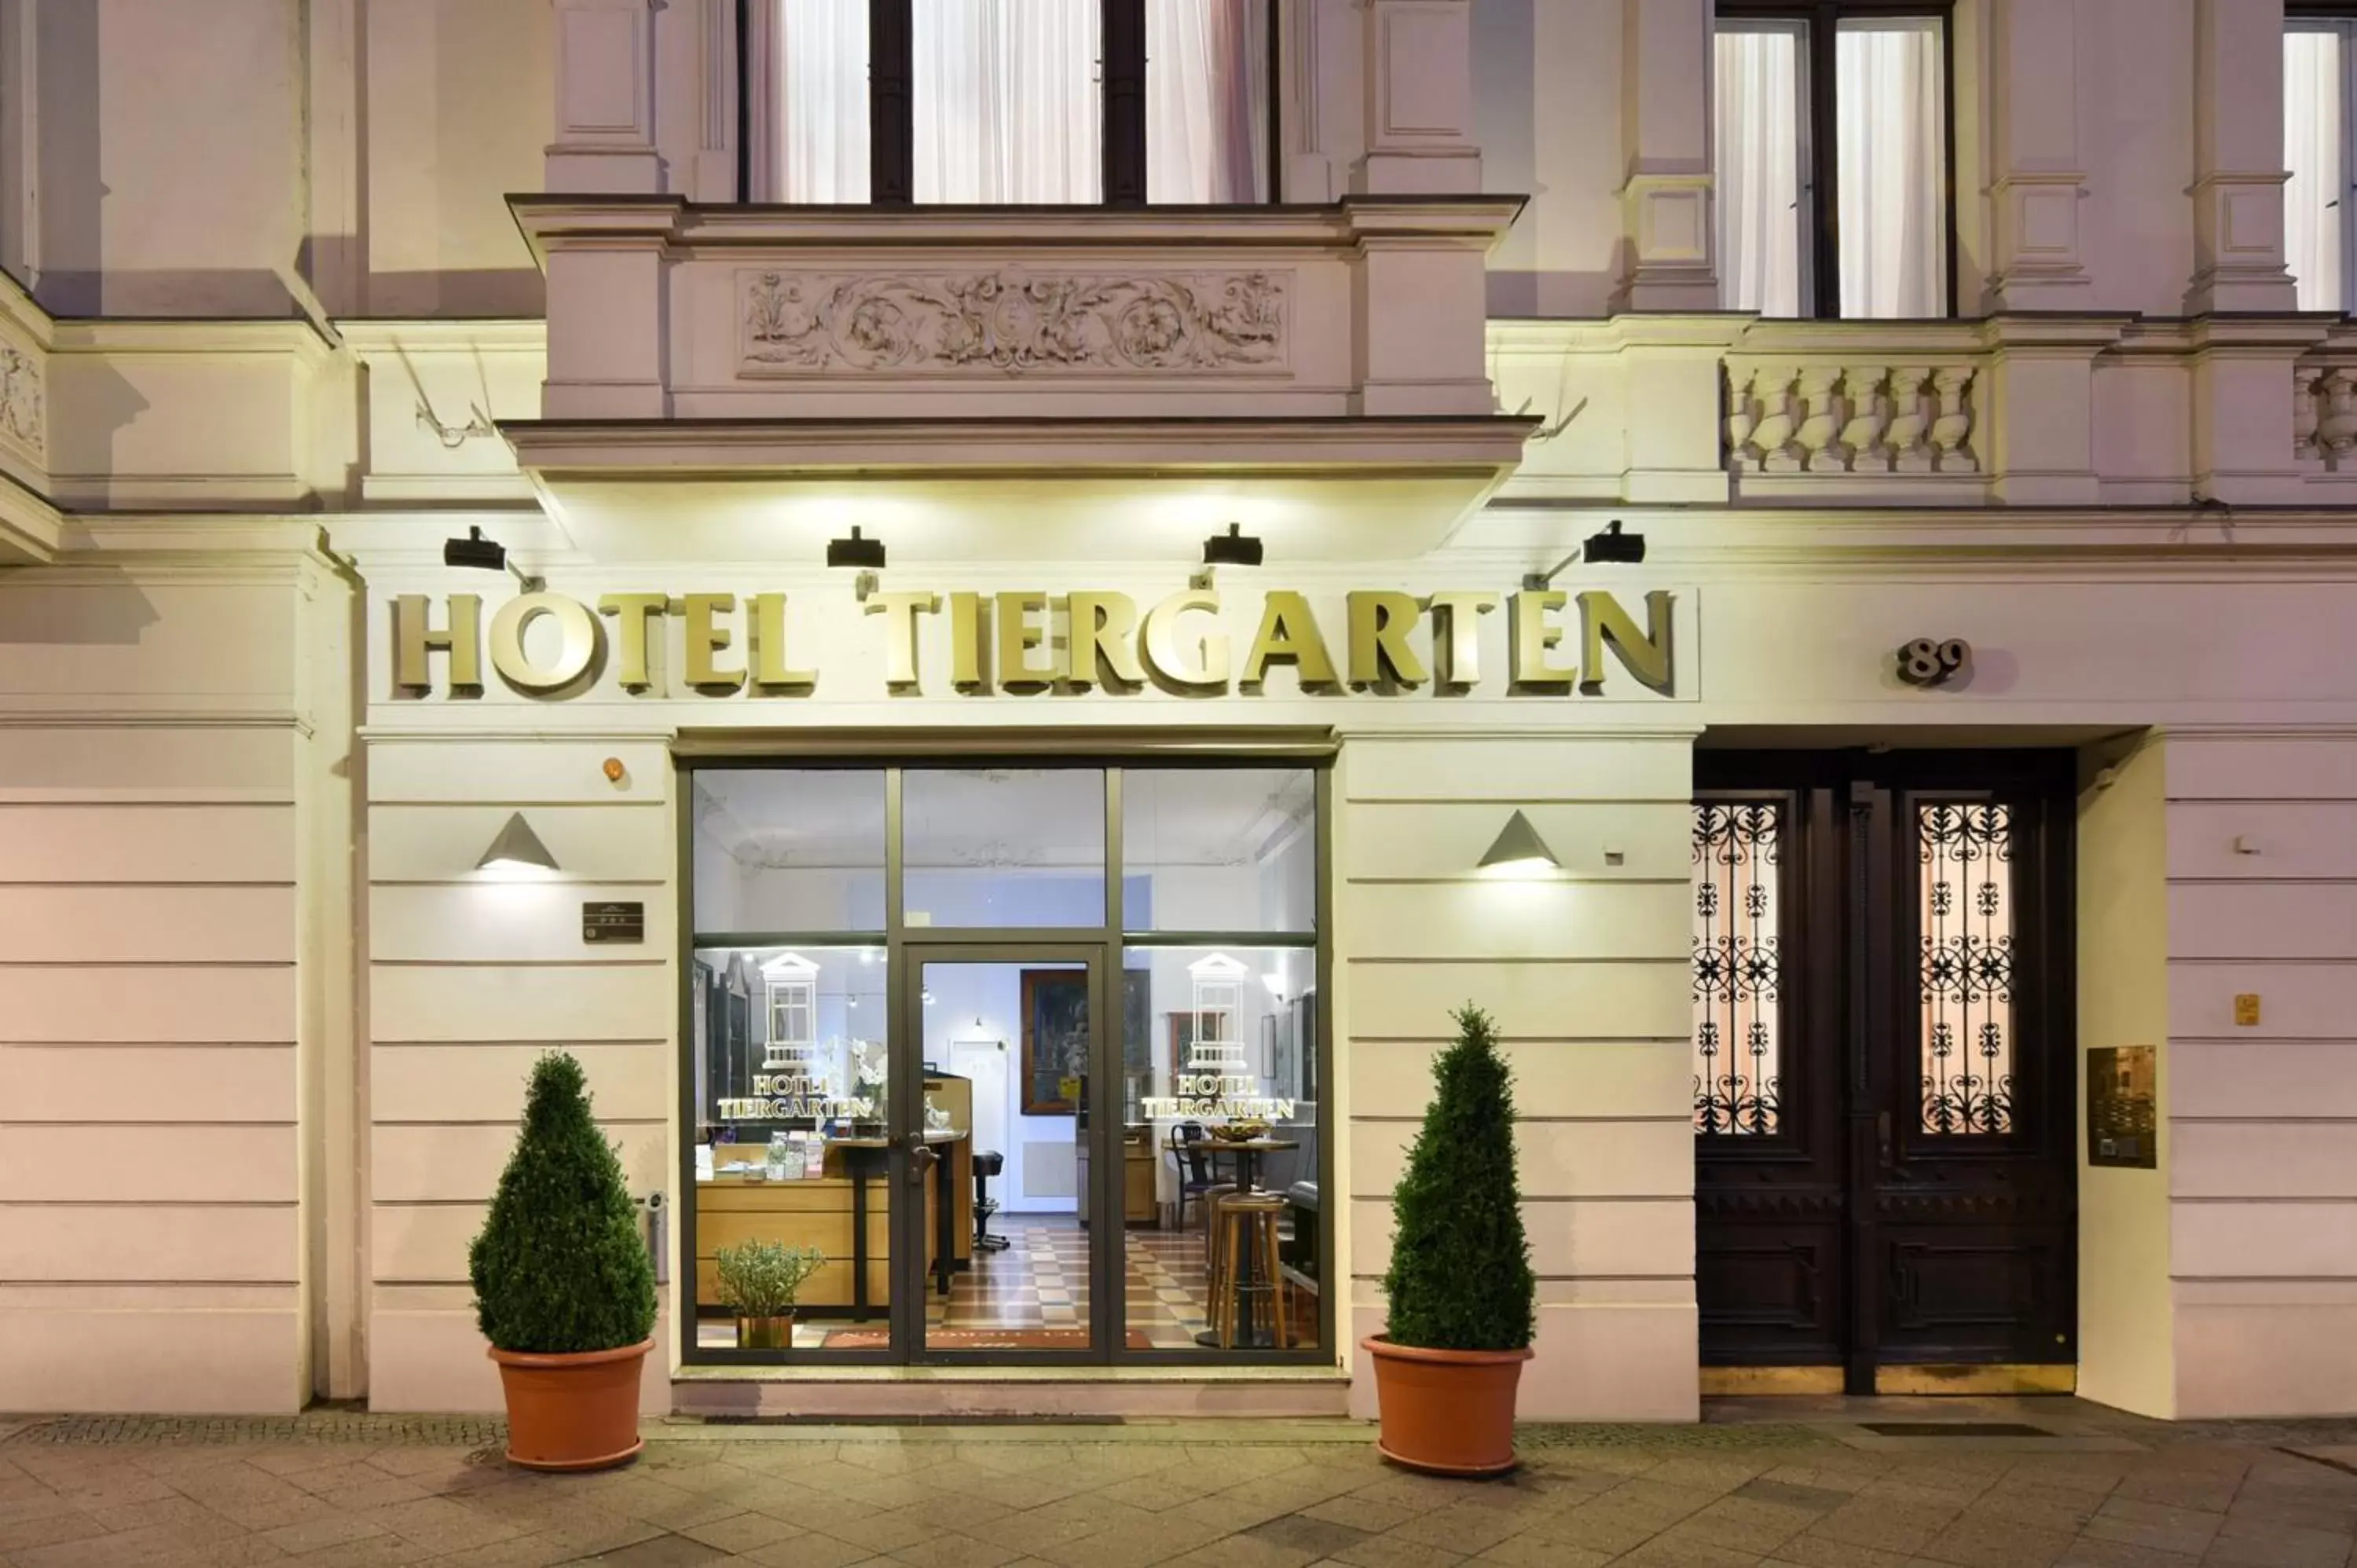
x,y
1829,417
2324,417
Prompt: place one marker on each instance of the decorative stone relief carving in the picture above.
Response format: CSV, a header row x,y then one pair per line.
x,y
1011,322
21,418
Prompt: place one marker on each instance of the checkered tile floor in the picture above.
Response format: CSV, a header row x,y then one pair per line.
x,y
1041,1281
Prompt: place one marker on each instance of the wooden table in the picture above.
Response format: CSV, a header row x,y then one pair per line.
x,y
1247,1151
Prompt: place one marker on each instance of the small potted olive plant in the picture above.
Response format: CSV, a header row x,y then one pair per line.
x,y
563,1288
761,1280
1461,1292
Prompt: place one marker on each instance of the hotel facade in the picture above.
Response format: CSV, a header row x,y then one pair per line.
x,y
964,599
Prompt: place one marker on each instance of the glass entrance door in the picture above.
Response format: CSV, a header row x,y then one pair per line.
x,y
999,1082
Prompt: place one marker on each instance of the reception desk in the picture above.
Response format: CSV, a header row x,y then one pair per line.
x,y
845,1213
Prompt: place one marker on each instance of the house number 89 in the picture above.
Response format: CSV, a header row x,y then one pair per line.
x,y
1924,662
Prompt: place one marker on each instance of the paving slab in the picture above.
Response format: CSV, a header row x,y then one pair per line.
x,y
1760,1484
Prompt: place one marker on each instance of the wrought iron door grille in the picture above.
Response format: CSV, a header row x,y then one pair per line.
x,y
1736,968
1965,856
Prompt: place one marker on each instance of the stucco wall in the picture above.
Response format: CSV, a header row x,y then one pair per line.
x,y
2263,1118
470,982
1587,978
155,1049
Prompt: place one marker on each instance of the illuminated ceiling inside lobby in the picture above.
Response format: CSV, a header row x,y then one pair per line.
x,y
972,816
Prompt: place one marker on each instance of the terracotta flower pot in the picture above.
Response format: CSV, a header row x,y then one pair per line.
x,y
1448,1412
575,1411
766,1333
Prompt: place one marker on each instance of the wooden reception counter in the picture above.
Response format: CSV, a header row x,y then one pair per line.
x,y
830,1212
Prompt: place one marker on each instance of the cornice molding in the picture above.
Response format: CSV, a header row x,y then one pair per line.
x,y
556,221
940,449
290,336
31,529
372,335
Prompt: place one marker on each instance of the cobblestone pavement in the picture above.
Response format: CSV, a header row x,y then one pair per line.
x,y
1807,1487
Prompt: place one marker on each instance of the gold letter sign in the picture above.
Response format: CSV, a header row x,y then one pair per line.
x,y
1035,640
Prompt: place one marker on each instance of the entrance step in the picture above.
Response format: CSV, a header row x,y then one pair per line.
x,y
916,1393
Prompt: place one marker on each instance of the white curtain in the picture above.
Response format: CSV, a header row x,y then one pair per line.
x,y
1008,107
1009,101
1207,100
810,80
2315,132
1889,96
1762,221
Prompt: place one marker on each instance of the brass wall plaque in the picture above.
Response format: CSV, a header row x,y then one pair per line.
x,y
608,923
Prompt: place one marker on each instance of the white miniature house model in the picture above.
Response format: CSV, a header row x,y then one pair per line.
x,y
790,984
1218,985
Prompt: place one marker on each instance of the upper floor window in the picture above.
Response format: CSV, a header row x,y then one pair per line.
x,y
1832,128
2319,247
1025,101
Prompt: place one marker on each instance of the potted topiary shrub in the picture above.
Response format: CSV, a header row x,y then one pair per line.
x,y
1460,1286
563,1288
761,1280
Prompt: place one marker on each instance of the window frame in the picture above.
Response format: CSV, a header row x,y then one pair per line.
x,y
892,110
905,946
1821,149
2338,17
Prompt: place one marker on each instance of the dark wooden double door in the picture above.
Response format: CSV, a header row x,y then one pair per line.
x,y
1885,1181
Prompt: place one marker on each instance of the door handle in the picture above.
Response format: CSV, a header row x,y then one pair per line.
x,y
922,1157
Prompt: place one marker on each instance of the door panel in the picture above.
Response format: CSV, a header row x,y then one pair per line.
x,y
1042,1293
1911,1198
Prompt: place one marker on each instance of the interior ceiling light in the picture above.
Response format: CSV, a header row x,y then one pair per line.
x,y
1609,548
482,555
1519,851
517,846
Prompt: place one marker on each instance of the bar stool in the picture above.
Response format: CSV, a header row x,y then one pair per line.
x,y
986,1165
1245,1263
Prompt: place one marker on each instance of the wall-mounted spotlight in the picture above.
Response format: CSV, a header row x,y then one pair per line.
x,y
517,847
482,555
865,554
1609,548
1233,548
1519,851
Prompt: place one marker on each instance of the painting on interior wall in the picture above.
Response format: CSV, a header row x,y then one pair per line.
x,y
1136,1040
1055,1038
1276,1053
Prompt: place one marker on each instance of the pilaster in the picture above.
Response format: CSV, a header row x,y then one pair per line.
x,y
2243,406
2040,175
2041,414
2238,218
1420,98
1665,76
605,98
